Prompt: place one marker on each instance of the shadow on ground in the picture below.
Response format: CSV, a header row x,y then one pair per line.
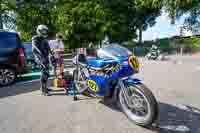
x,y
179,119
22,88
25,83
27,78
172,119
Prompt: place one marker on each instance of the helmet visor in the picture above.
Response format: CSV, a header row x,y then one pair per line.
x,y
44,31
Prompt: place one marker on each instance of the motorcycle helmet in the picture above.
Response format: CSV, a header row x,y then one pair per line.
x,y
42,30
154,47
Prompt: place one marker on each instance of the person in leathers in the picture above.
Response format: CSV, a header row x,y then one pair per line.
x,y
41,54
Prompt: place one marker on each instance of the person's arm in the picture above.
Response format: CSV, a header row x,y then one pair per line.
x,y
50,48
37,54
36,51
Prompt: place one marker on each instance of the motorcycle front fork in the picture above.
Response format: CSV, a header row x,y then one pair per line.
x,y
82,76
124,91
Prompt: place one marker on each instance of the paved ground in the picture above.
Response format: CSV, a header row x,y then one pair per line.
x,y
175,84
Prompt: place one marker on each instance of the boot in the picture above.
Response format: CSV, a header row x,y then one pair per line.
x,y
45,94
44,89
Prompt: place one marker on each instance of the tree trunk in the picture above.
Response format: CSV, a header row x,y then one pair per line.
x,y
140,35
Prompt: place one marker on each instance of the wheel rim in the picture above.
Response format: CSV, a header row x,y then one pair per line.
x,y
7,76
138,109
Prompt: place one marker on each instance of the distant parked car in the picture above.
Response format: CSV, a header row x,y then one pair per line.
x,y
29,56
12,57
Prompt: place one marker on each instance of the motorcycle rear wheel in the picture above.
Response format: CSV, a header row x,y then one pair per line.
x,y
151,114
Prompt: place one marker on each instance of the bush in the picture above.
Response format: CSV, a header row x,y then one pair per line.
x,y
192,43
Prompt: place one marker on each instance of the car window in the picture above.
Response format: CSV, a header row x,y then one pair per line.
x,y
9,42
28,47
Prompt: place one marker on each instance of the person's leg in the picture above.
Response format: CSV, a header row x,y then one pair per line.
x,y
61,66
55,68
44,79
55,71
61,69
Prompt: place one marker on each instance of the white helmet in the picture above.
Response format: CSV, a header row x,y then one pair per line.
x,y
42,30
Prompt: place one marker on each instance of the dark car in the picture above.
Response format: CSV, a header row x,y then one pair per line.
x,y
12,57
28,50
31,65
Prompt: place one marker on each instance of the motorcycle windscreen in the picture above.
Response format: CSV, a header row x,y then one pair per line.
x,y
113,51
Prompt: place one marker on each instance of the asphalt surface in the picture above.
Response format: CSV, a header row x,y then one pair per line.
x,y
175,83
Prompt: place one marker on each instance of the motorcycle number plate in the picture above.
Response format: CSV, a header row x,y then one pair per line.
x,y
93,85
134,63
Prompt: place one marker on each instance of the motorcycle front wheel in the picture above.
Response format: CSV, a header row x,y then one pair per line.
x,y
141,107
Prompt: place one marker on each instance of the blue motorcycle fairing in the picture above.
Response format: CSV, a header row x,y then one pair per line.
x,y
104,84
99,62
100,81
131,80
104,87
126,69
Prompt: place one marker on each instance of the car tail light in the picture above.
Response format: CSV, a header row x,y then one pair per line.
x,y
22,56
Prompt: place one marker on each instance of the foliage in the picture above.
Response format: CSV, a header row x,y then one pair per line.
x,y
146,12
84,21
193,42
117,19
177,8
7,16
89,21
31,13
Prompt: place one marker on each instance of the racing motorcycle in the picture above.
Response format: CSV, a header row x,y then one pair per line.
x,y
110,74
155,54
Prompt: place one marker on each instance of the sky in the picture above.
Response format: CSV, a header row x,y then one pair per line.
x,y
163,28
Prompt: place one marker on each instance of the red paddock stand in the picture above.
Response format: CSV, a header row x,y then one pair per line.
x,y
65,81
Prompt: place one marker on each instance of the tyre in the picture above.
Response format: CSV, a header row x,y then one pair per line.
x,y
142,107
162,57
7,76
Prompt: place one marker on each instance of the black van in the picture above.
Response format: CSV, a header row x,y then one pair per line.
x,y
12,57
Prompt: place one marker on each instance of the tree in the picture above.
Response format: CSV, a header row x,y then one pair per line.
x,y
118,19
85,21
90,20
31,13
146,13
7,16
177,8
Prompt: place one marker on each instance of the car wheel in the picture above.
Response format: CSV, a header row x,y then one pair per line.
x,y
7,76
